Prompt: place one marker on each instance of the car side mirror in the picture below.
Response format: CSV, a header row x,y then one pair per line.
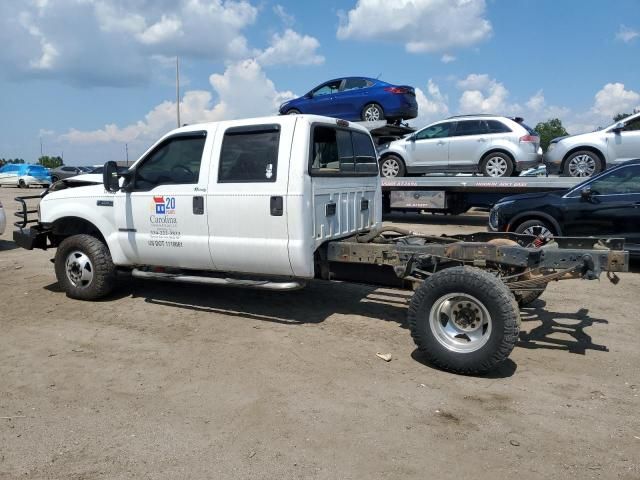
x,y
309,95
110,177
586,194
619,127
412,138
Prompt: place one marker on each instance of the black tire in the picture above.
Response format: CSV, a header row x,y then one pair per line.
x,y
293,111
585,157
54,179
390,164
102,269
22,184
499,337
535,227
372,112
491,161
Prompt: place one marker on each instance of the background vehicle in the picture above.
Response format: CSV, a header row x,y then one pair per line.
x,y
24,175
357,98
494,145
590,153
3,219
607,205
271,203
66,171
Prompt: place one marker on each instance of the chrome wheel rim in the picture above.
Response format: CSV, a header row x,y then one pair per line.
x,y
582,166
79,269
292,112
460,322
496,167
372,114
390,167
538,231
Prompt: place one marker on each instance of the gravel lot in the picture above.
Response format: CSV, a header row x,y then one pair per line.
x,y
170,381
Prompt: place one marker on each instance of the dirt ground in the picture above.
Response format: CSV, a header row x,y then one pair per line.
x,y
170,381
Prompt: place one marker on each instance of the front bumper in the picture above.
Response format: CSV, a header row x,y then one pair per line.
x,y
530,160
33,237
553,161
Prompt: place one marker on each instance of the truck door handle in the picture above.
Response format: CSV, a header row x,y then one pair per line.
x,y
198,205
440,143
330,209
276,204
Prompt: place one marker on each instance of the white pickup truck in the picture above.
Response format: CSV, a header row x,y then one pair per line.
x,y
275,202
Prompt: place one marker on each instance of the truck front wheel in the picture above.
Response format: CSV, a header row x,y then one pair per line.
x,y
464,320
84,268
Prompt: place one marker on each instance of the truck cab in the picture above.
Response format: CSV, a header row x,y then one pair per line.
x,y
256,196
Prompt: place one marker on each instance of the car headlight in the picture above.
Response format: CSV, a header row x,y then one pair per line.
x,y
552,146
283,105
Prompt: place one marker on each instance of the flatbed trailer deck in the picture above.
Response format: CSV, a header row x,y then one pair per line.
x,y
457,194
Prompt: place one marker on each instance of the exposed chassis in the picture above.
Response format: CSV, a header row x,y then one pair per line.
x,y
514,258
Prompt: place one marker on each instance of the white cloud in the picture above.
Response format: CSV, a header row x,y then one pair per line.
x,y
285,17
114,42
536,102
483,94
432,105
421,25
243,90
613,99
446,58
626,34
291,48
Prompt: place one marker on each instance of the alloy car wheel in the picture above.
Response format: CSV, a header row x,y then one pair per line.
x,y
372,113
496,166
391,167
583,165
538,231
293,111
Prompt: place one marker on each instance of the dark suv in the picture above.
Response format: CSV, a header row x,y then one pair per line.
x,y
607,205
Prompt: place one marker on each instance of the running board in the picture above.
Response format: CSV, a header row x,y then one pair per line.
x,y
223,282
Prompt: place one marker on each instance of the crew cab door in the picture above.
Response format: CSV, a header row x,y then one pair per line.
x,y
247,198
613,210
160,214
430,146
625,144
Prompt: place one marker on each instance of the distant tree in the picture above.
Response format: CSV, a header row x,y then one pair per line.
x,y
549,130
622,116
4,161
50,162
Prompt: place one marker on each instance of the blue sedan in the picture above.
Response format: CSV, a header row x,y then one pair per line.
x,y
356,98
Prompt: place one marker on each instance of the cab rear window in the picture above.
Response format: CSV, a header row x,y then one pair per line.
x,y
342,152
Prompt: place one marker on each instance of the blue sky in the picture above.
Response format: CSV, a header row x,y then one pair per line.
x,y
89,76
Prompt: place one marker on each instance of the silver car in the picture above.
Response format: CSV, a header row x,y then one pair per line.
x,y
493,145
587,154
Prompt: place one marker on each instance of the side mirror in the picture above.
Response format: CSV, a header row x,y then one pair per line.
x,y
586,194
308,95
619,127
412,138
110,177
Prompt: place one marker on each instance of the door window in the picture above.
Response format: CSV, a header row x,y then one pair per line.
x,y
440,130
356,83
470,127
327,88
632,126
342,152
250,154
176,161
625,180
494,126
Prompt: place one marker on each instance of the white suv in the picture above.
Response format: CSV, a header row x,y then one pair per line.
x,y
587,154
493,145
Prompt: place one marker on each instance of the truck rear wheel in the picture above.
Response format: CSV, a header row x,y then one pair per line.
x,y
464,320
84,268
